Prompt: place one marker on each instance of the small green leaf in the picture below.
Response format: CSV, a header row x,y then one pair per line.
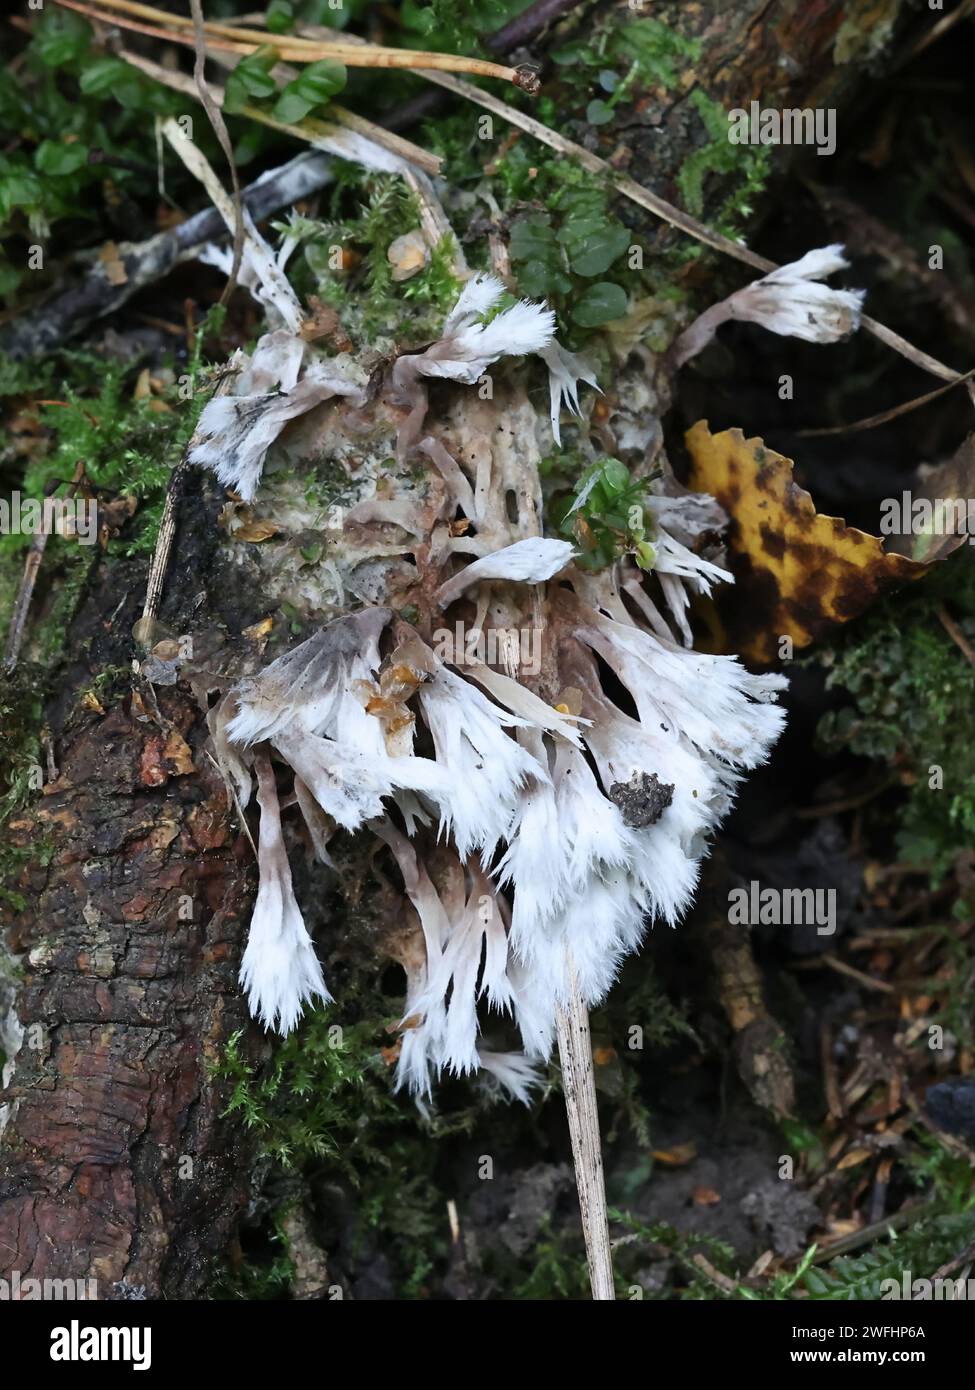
x,y
108,76
570,52
19,189
599,113
10,278
532,239
60,37
615,476
540,278
100,76
593,243
53,157
600,303
314,87
280,16
251,80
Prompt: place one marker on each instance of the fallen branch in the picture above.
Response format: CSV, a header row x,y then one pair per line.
x,y
220,131
529,24
579,1089
70,310
956,634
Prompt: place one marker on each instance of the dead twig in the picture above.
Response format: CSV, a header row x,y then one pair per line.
x,y
234,39
866,1234
956,634
579,1087
32,567
529,24
937,31
74,306
834,1101
842,968
966,1256
18,621
220,130
871,422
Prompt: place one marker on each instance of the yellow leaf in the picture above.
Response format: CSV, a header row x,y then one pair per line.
x,y
797,572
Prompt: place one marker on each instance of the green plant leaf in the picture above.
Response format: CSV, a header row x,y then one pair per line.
x,y
108,76
10,277
600,303
314,87
598,112
573,52
53,157
280,16
251,80
60,37
532,239
19,189
593,243
541,278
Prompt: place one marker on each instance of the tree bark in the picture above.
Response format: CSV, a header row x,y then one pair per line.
x,y
117,1163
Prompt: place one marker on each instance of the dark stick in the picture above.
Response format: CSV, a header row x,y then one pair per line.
x,y
70,312
526,26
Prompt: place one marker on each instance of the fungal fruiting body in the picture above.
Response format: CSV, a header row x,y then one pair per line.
x,y
538,820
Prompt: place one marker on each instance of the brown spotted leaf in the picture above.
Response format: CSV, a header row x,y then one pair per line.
x,y
797,572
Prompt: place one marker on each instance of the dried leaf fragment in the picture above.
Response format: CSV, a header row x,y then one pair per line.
x,y
408,254
797,572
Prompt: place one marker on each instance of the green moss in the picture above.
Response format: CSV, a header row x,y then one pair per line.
x,y
744,170
323,1080
325,1105
653,51
368,213
559,1271
912,696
